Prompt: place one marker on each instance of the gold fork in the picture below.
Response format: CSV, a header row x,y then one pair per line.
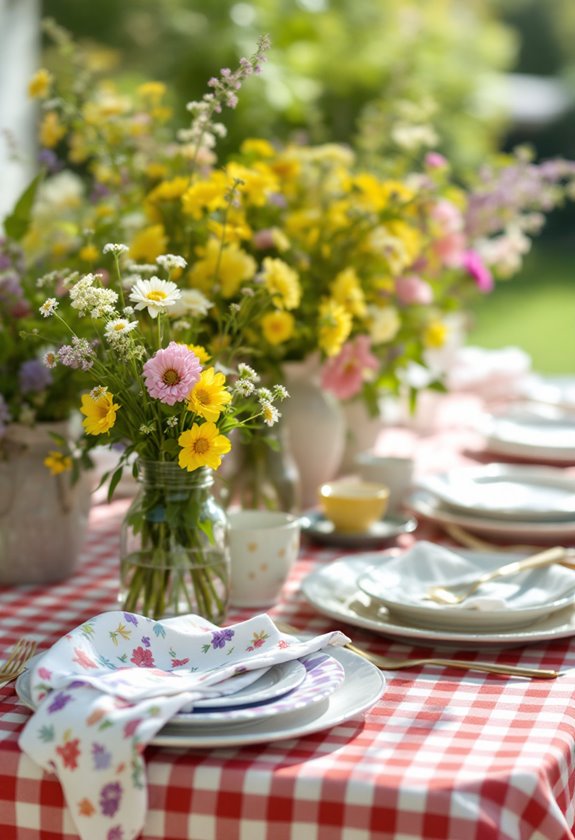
x,y
459,592
22,652
389,663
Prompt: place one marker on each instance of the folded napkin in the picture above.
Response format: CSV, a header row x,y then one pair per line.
x,y
104,690
407,578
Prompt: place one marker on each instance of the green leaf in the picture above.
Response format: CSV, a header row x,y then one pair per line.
x,y
114,481
207,527
16,224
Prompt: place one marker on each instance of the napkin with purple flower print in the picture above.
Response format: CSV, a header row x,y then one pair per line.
x,y
103,691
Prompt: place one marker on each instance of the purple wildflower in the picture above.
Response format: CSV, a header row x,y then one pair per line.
x,y
79,354
220,637
101,757
59,702
34,376
110,798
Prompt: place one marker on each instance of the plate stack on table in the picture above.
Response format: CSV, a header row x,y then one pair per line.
x,y
533,432
521,503
387,593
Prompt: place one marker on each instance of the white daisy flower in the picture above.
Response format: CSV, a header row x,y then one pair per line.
x,y
270,414
119,326
155,295
192,302
115,248
48,307
169,261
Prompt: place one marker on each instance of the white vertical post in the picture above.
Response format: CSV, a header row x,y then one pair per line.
x,y
19,55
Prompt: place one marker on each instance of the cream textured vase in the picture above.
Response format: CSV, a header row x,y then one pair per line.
x,y
315,426
43,518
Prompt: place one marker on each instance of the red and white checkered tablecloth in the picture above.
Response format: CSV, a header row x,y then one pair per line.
x,y
446,755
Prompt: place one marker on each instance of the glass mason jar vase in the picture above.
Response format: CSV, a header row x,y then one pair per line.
x,y
174,556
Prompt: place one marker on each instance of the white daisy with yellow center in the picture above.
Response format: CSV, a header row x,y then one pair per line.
x,y
118,327
155,295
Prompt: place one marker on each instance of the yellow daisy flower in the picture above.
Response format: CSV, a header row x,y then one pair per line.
x,y
148,244
346,289
278,326
202,446
334,327
229,266
100,413
57,462
209,395
40,84
282,282
51,130
200,352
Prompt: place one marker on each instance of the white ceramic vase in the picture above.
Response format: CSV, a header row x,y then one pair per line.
x,y
315,426
43,518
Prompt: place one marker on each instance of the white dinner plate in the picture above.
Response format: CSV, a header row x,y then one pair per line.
x,y
558,391
428,506
532,434
400,583
323,674
273,683
332,589
504,491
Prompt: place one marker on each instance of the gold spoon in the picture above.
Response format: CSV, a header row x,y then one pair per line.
x,y
458,593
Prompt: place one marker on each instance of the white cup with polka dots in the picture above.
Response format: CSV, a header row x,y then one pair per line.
x,y
264,544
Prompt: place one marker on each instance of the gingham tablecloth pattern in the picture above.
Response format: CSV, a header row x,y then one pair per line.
x,y
444,755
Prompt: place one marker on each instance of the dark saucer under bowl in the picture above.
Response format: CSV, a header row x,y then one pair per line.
x,y
320,530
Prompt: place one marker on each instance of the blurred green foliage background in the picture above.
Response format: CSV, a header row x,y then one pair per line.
x,y
338,64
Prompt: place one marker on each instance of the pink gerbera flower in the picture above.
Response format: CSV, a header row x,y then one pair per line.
x,y
345,373
171,373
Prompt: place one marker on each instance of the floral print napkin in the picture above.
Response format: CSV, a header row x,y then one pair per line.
x,y
103,691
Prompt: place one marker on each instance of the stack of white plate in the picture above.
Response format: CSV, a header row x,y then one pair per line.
x,y
518,502
386,592
286,700
531,432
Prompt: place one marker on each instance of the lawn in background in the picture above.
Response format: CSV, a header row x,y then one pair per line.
x,y
534,311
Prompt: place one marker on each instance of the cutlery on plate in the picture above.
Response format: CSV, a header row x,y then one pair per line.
x,y
390,663
459,592
22,652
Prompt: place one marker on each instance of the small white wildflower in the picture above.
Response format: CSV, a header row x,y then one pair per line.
x,y
246,372
280,393
141,268
115,248
98,391
48,307
171,422
169,261
50,359
235,307
270,414
181,325
247,291
264,395
146,428
128,311
155,295
244,387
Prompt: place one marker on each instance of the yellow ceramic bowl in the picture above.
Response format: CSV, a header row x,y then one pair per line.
x,y
353,506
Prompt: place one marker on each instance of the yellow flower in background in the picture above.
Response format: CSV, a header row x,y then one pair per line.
x,y
202,446
51,130
209,395
334,327
148,244
346,289
227,266
200,352
383,323
57,462
258,181
100,413
89,253
40,84
78,147
204,196
258,147
234,230
278,326
166,190
435,334
282,282
152,92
